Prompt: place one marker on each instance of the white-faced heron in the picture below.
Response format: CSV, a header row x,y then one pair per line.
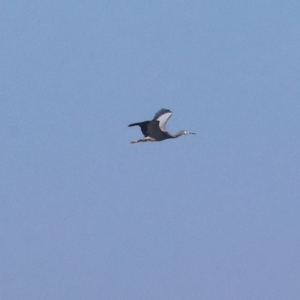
x,y
155,130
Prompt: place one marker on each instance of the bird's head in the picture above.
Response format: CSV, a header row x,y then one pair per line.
x,y
182,132
186,132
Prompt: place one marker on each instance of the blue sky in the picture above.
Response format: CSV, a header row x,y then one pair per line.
x,y
85,214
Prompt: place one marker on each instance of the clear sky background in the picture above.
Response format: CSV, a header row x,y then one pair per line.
x,y
85,214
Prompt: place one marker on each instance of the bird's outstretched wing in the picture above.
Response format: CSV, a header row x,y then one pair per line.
x,y
162,116
143,125
160,113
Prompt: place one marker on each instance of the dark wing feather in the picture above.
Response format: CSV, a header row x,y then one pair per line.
x,y
143,125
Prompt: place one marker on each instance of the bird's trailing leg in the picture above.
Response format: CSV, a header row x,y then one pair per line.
x,y
145,139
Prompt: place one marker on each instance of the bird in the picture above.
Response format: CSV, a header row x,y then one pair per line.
x,y
155,130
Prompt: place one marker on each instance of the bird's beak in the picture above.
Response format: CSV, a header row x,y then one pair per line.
x,y
192,133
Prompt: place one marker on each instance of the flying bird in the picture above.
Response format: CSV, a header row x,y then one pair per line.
x,y
155,130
